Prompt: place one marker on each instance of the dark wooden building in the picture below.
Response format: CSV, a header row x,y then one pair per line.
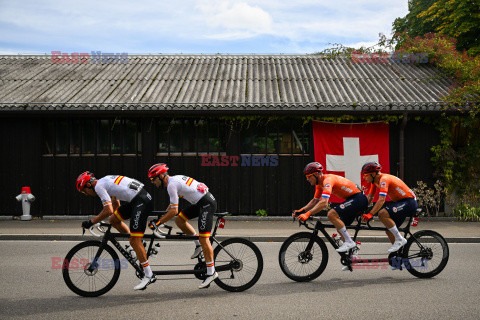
x,y
60,119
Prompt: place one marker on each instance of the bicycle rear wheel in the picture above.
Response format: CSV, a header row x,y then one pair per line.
x,y
425,254
86,279
298,261
239,264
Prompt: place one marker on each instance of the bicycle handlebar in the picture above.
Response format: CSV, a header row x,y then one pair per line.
x,y
98,226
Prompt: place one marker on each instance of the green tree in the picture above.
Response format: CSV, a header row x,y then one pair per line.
x,y
459,19
411,24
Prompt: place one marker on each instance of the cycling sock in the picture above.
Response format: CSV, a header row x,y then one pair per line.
x,y
395,232
345,234
197,243
210,268
147,269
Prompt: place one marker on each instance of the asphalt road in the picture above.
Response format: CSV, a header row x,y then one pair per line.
x,y
31,289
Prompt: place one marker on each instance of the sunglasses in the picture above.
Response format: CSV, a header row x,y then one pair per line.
x,y
309,175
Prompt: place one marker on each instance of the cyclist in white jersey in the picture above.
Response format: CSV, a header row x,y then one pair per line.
x,y
136,206
203,206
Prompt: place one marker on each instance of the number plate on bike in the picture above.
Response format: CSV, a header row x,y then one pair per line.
x,y
222,223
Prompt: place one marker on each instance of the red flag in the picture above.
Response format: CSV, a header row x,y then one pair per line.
x,y
343,148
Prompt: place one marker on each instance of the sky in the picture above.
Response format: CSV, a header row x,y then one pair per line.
x,y
193,26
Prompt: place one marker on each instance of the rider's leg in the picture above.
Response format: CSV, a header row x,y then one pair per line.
x,y
393,234
207,249
334,218
388,223
118,224
184,225
181,222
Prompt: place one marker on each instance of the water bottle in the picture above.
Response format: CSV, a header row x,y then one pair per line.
x,y
338,239
131,252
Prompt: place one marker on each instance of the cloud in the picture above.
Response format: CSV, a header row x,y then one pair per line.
x,y
239,19
193,25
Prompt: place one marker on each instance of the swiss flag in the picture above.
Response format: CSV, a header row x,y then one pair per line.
x,y
343,148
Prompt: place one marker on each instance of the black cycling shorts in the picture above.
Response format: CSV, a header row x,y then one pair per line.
x,y
204,210
351,207
402,209
137,211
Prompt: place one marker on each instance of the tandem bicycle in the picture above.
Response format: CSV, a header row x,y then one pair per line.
x,y
238,261
304,255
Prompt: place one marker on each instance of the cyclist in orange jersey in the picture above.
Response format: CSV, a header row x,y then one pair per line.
x,y
404,202
343,213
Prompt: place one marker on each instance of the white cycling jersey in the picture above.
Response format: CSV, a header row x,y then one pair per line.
x,y
121,187
185,187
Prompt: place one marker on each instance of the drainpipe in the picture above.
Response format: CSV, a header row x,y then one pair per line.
x,y
401,147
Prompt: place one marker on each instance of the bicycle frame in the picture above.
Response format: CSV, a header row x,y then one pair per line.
x,y
345,256
112,237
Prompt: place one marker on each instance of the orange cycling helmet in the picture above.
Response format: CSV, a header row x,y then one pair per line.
x,y
82,180
312,167
371,167
156,170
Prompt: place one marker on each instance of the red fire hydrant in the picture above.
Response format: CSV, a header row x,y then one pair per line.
x,y
26,197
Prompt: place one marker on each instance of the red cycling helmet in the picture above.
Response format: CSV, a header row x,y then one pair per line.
x,y
371,167
312,167
156,170
82,180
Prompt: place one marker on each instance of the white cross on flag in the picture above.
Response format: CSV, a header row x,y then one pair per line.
x,y
343,148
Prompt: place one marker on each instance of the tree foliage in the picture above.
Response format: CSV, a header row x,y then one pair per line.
x,y
459,19
464,70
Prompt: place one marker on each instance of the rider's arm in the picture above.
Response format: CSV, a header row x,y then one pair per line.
x,y
311,204
322,204
370,198
378,205
106,212
171,212
107,202
115,204
172,209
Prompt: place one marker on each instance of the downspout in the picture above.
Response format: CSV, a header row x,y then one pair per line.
x,y
401,147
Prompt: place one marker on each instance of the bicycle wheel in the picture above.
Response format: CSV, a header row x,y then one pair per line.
x,y
84,280
239,264
425,254
300,263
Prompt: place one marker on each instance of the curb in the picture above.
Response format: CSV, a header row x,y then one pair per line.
x,y
74,237
234,218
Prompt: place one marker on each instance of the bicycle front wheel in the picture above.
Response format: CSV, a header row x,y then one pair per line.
x,y
303,257
425,254
86,277
239,264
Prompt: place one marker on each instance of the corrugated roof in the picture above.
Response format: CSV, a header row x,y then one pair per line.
x,y
219,82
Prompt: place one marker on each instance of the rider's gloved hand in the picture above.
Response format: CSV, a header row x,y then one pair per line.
x,y
153,224
87,224
297,212
304,216
367,217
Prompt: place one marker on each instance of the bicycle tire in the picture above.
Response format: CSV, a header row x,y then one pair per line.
x,y
296,263
417,260
240,276
83,282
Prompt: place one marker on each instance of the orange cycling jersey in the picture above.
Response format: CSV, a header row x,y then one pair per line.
x,y
391,186
336,185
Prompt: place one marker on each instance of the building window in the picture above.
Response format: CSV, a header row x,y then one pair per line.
x,y
92,136
282,136
188,136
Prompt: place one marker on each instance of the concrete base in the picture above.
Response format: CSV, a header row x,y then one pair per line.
x,y
25,217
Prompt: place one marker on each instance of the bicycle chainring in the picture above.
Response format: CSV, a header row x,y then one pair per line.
x,y
201,266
